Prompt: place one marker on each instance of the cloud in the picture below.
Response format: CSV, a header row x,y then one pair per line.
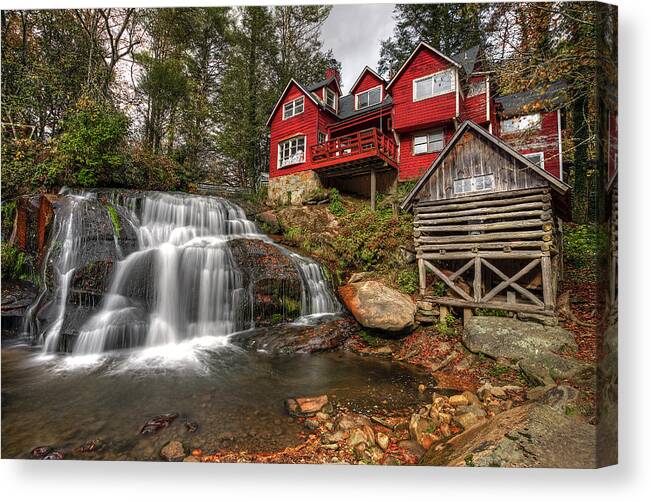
x,y
354,33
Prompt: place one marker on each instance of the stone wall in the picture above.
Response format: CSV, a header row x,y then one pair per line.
x,y
294,189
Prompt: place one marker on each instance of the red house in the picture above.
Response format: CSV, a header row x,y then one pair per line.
x,y
384,132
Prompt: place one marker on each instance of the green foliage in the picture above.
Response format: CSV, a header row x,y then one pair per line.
x,y
29,166
407,281
439,289
446,327
276,318
90,142
469,461
8,216
498,371
336,206
370,340
581,245
15,263
115,219
491,312
149,171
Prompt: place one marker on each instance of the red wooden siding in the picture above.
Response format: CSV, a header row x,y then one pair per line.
x,y
546,140
413,166
410,115
474,107
368,81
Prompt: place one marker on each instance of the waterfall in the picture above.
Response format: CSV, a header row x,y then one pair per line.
x,y
180,282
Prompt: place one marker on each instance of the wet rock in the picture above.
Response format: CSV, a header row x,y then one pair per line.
x,y
356,437
54,455
92,446
532,435
420,427
359,277
562,398
376,306
351,421
173,451
158,423
41,451
289,339
306,406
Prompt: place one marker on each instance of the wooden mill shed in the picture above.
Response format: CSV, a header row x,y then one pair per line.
x,y
487,223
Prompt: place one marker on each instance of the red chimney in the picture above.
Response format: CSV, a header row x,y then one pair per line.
x,y
333,72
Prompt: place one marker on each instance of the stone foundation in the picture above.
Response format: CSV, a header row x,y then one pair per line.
x,y
294,189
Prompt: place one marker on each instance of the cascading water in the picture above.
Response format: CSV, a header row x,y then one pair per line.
x,y
180,282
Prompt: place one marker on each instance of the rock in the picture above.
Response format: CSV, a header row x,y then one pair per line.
x,y
376,454
382,440
420,427
330,446
173,451
360,277
376,306
472,398
467,420
563,399
533,346
361,453
41,451
532,435
155,424
270,219
357,436
191,426
458,400
191,458
305,406
498,392
513,339
312,424
545,320
421,388
91,446
412,448
536,393
390,460
54,455
424,305
351,420
335,437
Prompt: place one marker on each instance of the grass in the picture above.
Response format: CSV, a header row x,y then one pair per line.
x,y
115,219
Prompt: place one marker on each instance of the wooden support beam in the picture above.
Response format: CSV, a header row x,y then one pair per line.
x,y
485,227
527,206
460,203
467,315
548,288
537,213
447,281
422,279
496,255
524,292
509,194
480,246
510,307
443,314
477,282
495,236
510,281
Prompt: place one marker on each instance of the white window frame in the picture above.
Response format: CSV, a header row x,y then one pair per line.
x,y
520,123
318,137
453,84
473,88
293,103
473,184
293,161
327,92
427,135
368,91
542,158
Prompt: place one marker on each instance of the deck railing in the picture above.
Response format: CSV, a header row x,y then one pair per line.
x,y
367,141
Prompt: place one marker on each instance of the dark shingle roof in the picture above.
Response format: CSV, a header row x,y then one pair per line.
x,y
547,97
316,85
467,58
347,106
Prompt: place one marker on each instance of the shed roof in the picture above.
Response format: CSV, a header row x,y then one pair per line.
x,y
557,185
548,97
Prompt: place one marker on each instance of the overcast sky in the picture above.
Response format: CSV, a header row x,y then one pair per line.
x,y
354,32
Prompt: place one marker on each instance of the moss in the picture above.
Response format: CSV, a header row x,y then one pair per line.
x,y
292,307
370,340
15,263
115,219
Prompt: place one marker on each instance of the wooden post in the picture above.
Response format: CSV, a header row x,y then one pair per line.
x,y
467,314
421,276
373,188
548,290
476,284
443,313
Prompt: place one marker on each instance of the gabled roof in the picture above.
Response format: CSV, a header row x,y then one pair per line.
x,y
366,69
556,184
413,54
282,96
322,83
347,106
550,97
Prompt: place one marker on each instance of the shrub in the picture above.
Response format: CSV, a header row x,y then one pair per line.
x,y
336,206
407,281
581,245
29,166
15,263
148,171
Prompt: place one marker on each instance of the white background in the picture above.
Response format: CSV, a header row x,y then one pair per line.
x,y
72,481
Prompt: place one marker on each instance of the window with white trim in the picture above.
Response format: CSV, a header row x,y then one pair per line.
x,y
537,158
368,98
291,151
428,142
294,107
330,98
521,123
476,88
474,184
434,85
323,137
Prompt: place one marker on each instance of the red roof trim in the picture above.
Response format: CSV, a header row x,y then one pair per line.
x,y
282,96
413,54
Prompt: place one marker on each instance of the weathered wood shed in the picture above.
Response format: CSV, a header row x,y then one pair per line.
x,y
487,223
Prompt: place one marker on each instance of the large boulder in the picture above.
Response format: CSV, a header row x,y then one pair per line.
x,y
378,307
533,435
533,346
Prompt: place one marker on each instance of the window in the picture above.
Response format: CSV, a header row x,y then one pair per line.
x,y
429,142
537,158
330,98
368,98
323,137
477,88
291,152
293,108
522,123
433,85
474,184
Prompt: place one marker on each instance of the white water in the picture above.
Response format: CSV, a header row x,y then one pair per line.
x,y
181,283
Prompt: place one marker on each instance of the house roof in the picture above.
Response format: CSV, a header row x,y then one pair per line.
x,y
321,83
347,106
280,99
411,56
549,97
467,59
557,185
366,69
